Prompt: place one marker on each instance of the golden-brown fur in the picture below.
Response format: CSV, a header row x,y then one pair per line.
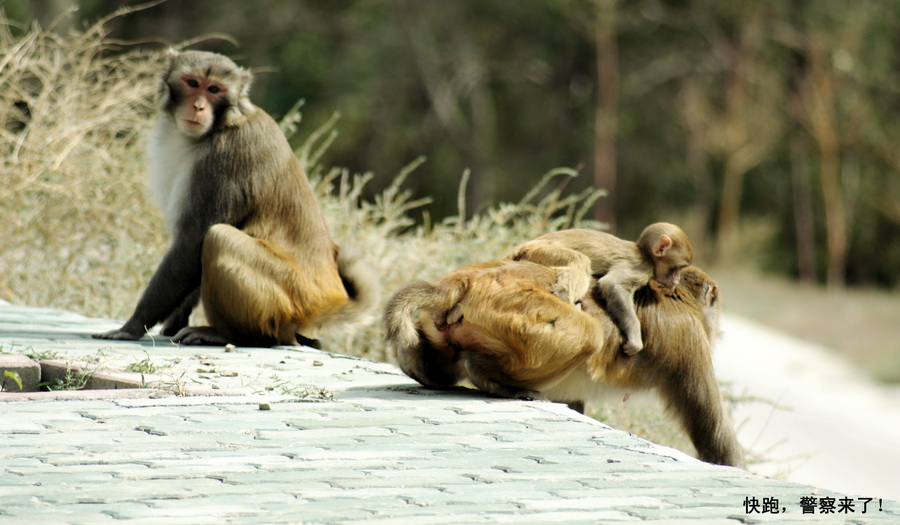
x,y
498,325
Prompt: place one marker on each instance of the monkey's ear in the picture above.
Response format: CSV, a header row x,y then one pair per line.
x,y
712,295
237,113
662,245
163,92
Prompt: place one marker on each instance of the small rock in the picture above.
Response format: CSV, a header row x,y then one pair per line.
x,y
265,406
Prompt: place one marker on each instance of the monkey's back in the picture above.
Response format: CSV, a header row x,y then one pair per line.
x,y
277,208
603,249
510,316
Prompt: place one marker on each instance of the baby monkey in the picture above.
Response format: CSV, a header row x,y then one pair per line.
x,y
660,253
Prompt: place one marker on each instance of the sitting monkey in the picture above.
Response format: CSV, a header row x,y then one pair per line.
x,y
661,253
248,237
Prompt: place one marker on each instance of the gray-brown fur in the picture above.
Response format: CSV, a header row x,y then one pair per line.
x,y
621,266
249,239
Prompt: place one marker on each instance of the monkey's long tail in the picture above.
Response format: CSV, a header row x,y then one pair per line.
x,y
430,363
362,286
418,295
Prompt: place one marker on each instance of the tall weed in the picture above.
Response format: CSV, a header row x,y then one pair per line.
x,y
76,227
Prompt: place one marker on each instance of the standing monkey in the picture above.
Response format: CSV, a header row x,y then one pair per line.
x,y
660,253
249,238
511,336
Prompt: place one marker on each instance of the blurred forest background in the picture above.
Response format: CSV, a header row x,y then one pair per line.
x,y
767,128
772,116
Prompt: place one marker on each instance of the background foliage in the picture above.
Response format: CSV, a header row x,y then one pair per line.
x,y
766,127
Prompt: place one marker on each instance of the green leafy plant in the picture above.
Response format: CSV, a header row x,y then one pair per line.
x,y
144,366
10,374
72,380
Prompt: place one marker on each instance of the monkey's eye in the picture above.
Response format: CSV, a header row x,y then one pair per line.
x,y
214,89
191,83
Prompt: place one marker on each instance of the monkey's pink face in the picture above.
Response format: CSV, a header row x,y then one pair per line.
x,y
200,97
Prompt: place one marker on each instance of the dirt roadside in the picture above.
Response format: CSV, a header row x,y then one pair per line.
x,y
836,429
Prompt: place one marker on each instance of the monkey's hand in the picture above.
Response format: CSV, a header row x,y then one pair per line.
x,y
571,284
632,347
529,395
200,335
118,335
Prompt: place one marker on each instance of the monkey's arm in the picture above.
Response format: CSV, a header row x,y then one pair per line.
x,y
177,276
617,288
549,253
692,393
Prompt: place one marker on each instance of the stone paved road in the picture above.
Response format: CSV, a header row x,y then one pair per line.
x,y
344,441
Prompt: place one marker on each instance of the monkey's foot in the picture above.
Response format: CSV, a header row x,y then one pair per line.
x,y
200,335
306,341
522,394
454,315
528,395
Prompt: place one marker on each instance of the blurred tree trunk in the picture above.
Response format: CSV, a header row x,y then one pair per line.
x,y
818,99
804,225
605,123
483,140
704,188
746,140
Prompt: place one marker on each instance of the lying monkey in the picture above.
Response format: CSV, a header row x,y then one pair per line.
x,y
661,253
499,325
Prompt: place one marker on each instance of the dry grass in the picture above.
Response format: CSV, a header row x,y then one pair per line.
x,y
397,249
77,228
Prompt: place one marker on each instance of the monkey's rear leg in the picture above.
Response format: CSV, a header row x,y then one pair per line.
x,y
244,296
200,335
483,369
179,318
573,269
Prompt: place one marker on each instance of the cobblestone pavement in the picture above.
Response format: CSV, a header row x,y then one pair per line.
x,y
295,435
